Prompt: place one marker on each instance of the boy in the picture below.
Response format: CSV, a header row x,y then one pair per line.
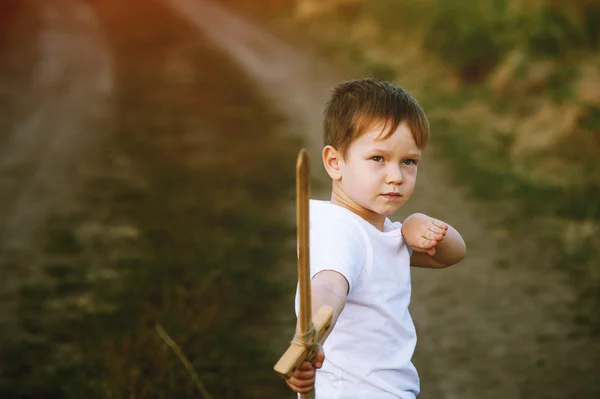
x,y
360,260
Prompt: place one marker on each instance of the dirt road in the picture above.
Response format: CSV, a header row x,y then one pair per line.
x,y
67,98
57,121
497,326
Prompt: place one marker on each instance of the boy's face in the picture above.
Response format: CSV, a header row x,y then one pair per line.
x,y
378,176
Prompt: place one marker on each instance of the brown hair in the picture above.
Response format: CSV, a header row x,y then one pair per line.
x,y
358,105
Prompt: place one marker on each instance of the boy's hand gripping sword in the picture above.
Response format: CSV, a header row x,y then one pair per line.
x,y
306,342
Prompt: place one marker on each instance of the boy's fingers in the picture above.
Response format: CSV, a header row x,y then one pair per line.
x,y
431,252
319,358
305,366
296,383
428,244
303,375
433,236
300,389
303,378
436,230
439,224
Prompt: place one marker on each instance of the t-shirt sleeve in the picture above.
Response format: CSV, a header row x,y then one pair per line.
x,y
337,244
408,247
398,225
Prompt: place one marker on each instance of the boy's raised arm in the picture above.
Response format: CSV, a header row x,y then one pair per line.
x,y
435,244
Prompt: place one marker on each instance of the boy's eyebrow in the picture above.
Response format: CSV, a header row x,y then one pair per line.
x,y
386,151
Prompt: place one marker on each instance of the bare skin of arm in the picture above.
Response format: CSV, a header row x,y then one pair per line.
x,y
328,288
436,244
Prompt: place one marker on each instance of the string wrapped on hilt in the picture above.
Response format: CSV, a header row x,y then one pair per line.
x,y
309,340
305,345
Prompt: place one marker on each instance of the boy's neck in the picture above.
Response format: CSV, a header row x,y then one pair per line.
x,y
373,218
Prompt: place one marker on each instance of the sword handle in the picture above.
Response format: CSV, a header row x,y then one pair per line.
x,y
296,353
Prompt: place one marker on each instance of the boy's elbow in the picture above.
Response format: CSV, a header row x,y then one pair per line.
x,y
455,257
452,249
452,253
454,261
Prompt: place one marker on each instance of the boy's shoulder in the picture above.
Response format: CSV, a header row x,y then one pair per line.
x,y
338,242
334,219
324,211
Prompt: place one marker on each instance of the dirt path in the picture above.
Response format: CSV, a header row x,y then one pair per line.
x,y
58,119
297,84
497,326
64,102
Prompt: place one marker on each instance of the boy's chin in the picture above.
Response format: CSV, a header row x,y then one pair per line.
x,y
387,210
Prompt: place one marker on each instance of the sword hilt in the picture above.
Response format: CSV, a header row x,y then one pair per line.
x,y
297,352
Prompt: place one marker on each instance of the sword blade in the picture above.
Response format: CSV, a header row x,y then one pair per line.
x,y
302,218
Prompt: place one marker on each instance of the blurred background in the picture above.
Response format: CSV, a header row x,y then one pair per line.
x,y
147,153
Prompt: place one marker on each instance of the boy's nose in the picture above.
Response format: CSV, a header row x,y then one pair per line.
x,y
394,175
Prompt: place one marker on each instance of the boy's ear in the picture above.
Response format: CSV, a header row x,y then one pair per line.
x,y
331,160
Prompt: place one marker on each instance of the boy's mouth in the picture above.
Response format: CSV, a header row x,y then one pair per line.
x,y
392,196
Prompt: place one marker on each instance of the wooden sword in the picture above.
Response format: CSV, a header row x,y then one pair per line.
x,y
303,346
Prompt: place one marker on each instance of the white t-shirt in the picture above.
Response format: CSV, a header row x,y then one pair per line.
x,y
368,353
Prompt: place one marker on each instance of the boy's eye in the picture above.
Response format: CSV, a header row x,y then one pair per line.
x,y
377,158
409,162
